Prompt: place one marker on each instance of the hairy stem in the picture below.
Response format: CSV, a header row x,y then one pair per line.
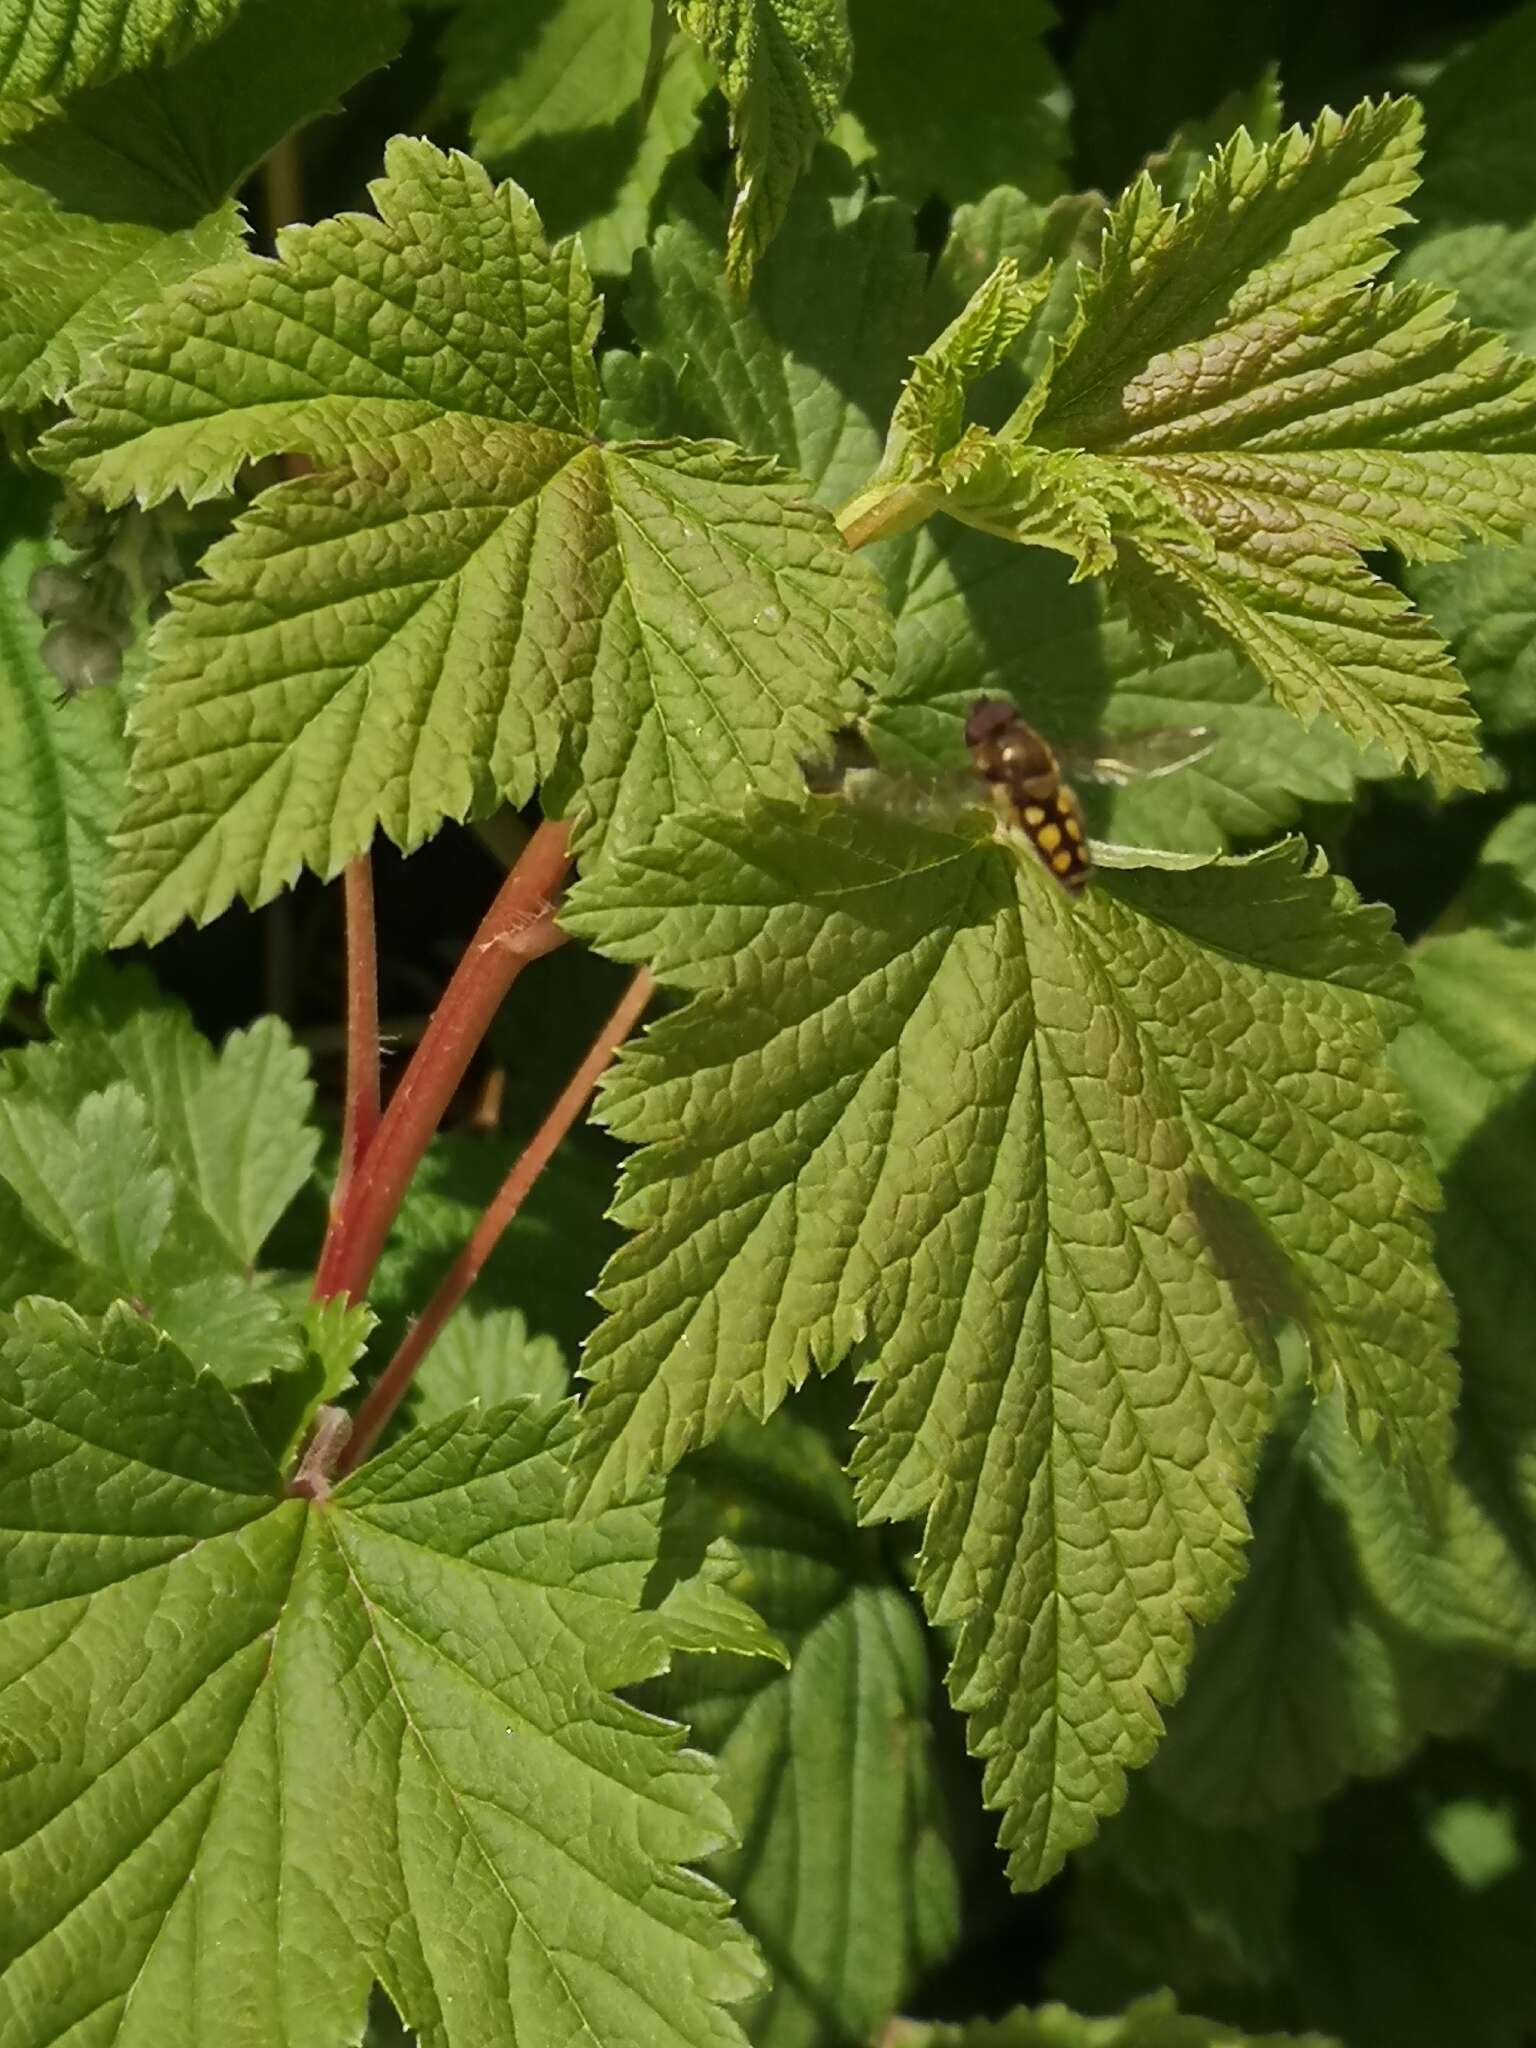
x,y
388,1391
361,1117
282,186
518,927
318,1466
881,510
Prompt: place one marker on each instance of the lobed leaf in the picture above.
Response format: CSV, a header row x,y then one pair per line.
x,y
358,333
236,1123
323,1742
1045,1170
474,593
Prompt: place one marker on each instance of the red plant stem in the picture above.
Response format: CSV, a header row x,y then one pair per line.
x,y
361,1119
517,928
389,1389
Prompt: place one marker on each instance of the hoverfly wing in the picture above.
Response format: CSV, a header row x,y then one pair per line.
x,y
1019,772
849,751
852,771
1122,757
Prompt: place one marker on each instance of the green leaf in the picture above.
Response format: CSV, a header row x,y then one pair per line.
x,y
1258,111
788,372
138,1163
283,1406
1470,1067
845,1876
928,424
61,787
1236,413
583,104
1398,1949
557,67
1499,896
782,66
1454,1579
96,1185
327,1742
1485,606
1153,2022
128,191
1309,1678
975,618
313,355
545,1263
1476,236
785,373
1179,1902
1020,1152
1007,224
44,49
1143,69
501,593
1477,208
486,1356
73,282
236,1123
939,120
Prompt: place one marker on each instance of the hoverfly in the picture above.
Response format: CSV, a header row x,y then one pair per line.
x,y
1022,774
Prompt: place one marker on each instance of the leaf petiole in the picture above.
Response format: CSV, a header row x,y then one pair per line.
x,y
518,927
361,1117
390,1387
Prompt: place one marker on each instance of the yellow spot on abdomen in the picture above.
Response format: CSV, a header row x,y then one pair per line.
x,y
1074,829
1033,816
1049,838
1062,862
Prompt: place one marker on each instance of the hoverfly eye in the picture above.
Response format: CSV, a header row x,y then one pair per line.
x,y
989,719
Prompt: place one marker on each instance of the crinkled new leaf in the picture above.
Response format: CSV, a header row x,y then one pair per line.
x,y
1237,412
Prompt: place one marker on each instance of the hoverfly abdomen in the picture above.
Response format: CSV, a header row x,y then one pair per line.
x,y
1024,777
